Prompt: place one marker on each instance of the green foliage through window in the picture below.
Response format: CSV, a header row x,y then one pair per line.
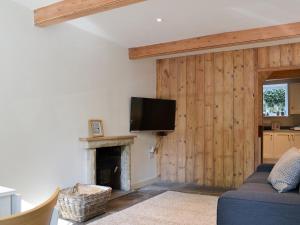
x,y
275,100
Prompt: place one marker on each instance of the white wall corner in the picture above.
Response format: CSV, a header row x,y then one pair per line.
x,y
144,183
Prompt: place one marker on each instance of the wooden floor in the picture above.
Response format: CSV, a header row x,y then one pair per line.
x,y
150,191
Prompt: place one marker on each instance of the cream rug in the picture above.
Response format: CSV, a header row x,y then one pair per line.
x,y
169,208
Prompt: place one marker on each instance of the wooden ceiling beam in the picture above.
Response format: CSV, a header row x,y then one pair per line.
x,y
287,74
71,9
217,41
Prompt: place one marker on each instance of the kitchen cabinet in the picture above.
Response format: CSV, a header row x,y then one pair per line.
x,y
282,142
296,140
276,143
268,145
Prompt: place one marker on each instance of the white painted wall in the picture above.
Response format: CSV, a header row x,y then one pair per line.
x,y
52,80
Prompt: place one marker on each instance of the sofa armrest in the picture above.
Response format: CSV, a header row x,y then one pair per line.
x,y
248,208
265,168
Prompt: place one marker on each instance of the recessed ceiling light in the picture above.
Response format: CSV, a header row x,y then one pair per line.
x,y
159,20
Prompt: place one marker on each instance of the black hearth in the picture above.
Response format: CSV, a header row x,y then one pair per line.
x,y
108,167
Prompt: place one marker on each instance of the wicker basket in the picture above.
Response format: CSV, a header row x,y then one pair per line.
x,y
83,202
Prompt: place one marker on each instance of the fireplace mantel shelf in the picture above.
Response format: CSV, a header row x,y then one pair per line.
x,y
108,138
109,141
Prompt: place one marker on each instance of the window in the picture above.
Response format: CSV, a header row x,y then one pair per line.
x,y
275,100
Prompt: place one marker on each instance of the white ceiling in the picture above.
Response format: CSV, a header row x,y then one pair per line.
x,y
135,25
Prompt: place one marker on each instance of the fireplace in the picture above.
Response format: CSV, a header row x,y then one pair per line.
x,y
109,161
108,167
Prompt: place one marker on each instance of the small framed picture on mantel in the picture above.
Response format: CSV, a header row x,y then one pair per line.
x,y
96,128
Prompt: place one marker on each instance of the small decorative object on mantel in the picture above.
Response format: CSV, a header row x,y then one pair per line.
x,y
96,128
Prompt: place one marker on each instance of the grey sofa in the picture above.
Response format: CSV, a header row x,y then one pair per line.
x,y
257,203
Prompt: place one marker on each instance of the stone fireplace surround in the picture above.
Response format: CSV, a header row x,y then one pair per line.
x,y
93,144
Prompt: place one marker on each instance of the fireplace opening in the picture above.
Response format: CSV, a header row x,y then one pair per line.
x,y
108,167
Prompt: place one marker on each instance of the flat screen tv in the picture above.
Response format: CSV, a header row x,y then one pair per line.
x,y
148,114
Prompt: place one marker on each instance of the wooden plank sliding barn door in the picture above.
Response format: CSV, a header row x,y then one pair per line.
x,y
219,108
214,140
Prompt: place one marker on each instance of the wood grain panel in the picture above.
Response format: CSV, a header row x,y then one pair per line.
x,y
158,95
172,137
286,55
263,57
274,56
296,54
249,108
209,121
279,57
228,119
218,119
257,112
200,118
191,117
164,94
181,120
238,128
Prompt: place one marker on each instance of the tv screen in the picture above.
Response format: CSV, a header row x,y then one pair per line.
x,y
149,114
